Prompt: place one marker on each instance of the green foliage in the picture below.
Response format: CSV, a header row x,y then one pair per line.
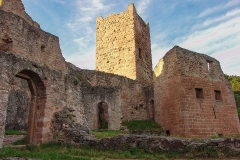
x,y
237,98
14,132
142,125
104,125
76,81
61,151
238,109
235,82
20,142
204,152
107,133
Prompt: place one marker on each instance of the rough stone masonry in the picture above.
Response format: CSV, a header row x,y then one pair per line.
x,y
186,93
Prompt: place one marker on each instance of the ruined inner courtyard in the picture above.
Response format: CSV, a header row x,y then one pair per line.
x,y
53,100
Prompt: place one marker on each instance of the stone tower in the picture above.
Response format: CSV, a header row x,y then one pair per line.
x,y
123,45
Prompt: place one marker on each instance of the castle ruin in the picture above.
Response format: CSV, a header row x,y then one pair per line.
x,y
186,93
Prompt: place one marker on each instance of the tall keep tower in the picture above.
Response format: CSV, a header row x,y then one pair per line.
x,y
123,45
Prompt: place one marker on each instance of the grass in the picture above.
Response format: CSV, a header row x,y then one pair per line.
x,y
107,133
14,132
142,125
20,142
131,125
104,125
60,151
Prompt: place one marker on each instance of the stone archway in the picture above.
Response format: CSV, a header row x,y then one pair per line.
x,y
103,115
36,114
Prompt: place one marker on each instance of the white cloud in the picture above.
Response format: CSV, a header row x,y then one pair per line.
x,y
227,16
213,39
158,52
218,8
230,60
84,61
82,27
142,6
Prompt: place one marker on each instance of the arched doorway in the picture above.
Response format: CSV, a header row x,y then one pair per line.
x,y
37,105
103,116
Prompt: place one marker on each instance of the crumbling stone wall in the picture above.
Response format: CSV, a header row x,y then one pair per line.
x,y
21,37
34,56
51,92
46,94
95,95
16,7
123,45
186,88
134,97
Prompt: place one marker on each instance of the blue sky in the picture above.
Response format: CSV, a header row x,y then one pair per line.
x,y
211,27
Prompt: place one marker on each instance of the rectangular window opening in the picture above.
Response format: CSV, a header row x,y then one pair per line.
x,y
140,54
214,113
218,95
199,93
209,66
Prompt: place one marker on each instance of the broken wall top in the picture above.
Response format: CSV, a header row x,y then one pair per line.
x,y
16,7
182,62
131,9
21,37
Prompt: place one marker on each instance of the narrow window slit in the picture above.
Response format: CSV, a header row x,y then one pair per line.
x,y
214,113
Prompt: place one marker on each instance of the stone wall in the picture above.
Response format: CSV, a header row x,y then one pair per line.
x,y
47,91
92,96
151,144
130,98
51,91
34,56
19,101
186,88
20,37
142,50
119,38
135,97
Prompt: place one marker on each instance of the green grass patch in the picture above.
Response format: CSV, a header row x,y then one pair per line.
x,y
142,125
14,132
104,125
60,151
107,133
20,142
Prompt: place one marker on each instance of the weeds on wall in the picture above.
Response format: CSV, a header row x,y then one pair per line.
x,y
76,81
